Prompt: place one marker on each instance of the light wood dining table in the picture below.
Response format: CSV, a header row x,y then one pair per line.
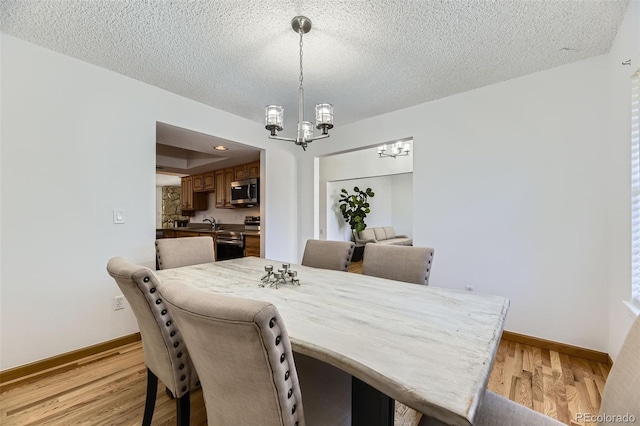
x,y
429,348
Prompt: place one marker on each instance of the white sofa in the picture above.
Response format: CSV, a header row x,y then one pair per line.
x,y
381,235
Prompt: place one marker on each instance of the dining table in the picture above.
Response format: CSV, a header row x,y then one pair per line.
x,y
430,348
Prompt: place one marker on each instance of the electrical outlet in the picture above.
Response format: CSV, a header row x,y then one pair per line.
x,y
118,303
468,288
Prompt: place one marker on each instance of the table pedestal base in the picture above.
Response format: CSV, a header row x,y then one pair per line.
x,y
369,406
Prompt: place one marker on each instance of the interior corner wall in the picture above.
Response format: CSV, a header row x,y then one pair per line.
x,y
617,261
402,205
77,142
512,194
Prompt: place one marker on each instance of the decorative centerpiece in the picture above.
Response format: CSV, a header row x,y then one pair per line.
x,y
282,276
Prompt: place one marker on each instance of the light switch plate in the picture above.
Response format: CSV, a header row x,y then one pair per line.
x,y
118,216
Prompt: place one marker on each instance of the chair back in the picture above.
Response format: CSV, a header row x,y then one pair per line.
x,y
165,352
177,252
621,396
399,263
243,355
334,255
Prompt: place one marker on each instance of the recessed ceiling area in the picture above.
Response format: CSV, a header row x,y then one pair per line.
x,y
186,152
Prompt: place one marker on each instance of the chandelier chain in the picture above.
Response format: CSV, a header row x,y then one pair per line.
x,y
301,56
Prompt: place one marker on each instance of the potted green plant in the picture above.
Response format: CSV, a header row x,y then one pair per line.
x,y
354,209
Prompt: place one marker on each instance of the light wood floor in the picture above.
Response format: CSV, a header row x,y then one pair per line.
x,y
109,389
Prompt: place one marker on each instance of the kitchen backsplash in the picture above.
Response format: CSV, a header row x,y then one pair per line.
x,y
224,215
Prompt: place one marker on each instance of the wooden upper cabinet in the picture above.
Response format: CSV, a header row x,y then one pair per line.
x,y
197,182
204,182
228,178
247,171
187,193
191,200
253,170
209,181
223,179
220,191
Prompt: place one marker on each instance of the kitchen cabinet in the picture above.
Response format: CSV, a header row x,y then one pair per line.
x,y
197,183
192,200
204,182
252,245
223,179
247,171
208,181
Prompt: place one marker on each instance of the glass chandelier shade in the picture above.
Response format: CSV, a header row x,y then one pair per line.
x,y
324,117
274,118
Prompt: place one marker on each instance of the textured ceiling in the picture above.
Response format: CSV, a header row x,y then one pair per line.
x,y
365,57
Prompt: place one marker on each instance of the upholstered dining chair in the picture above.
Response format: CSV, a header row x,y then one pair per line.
x,y
323,254
165,354
621,395
177,252
400,263
243,355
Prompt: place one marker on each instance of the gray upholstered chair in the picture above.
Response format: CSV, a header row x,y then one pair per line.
x,y
621,394
334,255
177,252
243,355
400,263
165,354
622,391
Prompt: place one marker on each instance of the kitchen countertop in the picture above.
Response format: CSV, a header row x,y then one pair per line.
x,y
204,231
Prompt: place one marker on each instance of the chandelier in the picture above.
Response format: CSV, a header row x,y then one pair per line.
x,y
398,149
274,114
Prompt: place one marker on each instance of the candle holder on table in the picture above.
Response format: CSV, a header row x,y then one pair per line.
x,y
283,275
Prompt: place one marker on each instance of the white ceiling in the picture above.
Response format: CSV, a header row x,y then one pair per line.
x,y
365,57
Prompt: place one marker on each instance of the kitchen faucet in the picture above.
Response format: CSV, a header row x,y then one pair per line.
x,y
212,221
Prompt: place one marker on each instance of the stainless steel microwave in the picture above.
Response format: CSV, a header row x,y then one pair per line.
x,y
245,192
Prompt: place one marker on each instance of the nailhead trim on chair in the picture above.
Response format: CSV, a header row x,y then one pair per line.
x,y
287,386
172,336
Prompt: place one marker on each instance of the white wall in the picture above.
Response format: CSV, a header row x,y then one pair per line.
x,y
512,194
402,205
77,142
617,253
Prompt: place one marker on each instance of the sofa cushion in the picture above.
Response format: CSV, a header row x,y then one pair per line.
x,y
397,242
389,231
380,234
367,234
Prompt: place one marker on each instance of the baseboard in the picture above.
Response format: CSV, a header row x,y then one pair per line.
x,y
589,354
65,358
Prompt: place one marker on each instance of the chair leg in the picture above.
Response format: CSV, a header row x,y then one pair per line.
x,y
150,404
183,408
169,394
